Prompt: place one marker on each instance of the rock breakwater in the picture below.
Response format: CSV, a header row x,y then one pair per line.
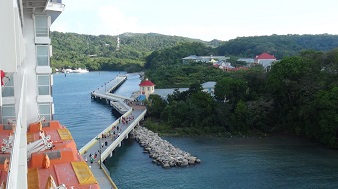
x,y
162,152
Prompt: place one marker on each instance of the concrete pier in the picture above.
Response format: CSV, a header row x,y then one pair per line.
x,y
106,142
105,93
106,145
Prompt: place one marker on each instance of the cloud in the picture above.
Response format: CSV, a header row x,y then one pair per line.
x,y
212,21
114,22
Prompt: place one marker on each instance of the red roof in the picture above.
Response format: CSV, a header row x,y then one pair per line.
x,y
265,56
146,83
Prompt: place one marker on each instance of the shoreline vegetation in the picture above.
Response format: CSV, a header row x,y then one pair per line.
x,y
165,130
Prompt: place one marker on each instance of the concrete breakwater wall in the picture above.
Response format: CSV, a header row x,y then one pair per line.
x,y
162,152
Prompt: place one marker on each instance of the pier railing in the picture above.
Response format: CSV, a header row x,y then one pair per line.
x,y
123,135
94,140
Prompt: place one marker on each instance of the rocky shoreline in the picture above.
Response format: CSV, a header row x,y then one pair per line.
x,y
162,152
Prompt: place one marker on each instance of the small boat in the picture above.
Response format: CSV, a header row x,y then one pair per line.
x,y
67,70
80,70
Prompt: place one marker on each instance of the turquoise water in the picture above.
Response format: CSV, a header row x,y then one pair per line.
x,y
271,162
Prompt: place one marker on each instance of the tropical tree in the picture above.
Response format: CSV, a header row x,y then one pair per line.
x,y
289,84
155,105
230,89
327,103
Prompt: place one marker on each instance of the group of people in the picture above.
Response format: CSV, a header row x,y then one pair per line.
x,y
91,158
113,134
126,120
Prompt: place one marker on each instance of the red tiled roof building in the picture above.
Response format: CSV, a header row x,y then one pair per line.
x,y
265,56
147,87
146,83
264,59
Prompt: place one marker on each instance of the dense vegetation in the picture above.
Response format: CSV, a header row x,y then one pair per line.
x,y
278,45
166,69
71,50
299,95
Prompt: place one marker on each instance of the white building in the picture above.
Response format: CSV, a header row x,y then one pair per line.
x,y
264,59
209,87
208,59
25,52
247,60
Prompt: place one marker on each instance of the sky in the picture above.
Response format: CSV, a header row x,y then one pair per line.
x,y
199,19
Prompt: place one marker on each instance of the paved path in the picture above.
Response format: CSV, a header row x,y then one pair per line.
x,y
102,143
111,85
117,101
112,136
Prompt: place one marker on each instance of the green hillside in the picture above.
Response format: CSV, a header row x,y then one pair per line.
x,y
279,45
71,50
151,50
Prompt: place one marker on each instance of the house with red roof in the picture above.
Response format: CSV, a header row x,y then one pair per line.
x,y
264,59
146,88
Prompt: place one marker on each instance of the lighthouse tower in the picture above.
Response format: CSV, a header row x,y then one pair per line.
x,y
147,87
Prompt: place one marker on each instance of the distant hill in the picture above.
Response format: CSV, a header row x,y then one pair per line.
x,y
79,50
279,45
99,52
136,45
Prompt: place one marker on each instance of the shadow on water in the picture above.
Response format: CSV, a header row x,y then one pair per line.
x,y
115,113
119,154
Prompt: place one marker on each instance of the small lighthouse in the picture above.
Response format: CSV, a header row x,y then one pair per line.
x,y
147,87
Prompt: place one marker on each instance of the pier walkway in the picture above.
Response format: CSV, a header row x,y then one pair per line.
x,y
106,142
105,93
112,136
